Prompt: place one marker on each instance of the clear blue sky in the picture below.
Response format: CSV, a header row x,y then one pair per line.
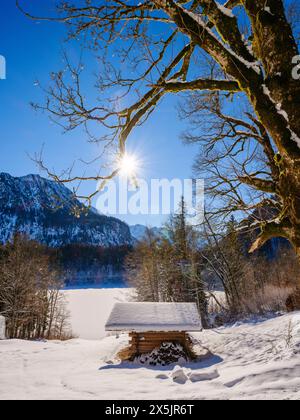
x,y
32,50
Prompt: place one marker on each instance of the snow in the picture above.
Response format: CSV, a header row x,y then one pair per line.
x,y
2,327
283,113
268,10
90,309
255,360
225,10
197,18
295,138
208,375
27,204
138,232
178,375
148,316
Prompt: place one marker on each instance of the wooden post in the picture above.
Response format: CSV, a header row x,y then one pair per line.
x,y
134,341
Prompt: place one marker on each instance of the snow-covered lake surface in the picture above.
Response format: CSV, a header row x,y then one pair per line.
x,y
90,309
257,360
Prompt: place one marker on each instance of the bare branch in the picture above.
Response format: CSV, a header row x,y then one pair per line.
x,y
201,84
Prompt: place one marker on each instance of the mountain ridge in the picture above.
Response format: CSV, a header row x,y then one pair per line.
x,y
138,231
44,210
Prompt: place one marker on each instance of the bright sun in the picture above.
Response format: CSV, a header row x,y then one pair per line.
x,y
128,165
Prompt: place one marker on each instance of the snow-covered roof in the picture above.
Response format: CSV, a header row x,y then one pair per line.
x,y
148,316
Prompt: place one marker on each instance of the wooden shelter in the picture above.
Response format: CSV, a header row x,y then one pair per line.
x,y
151,324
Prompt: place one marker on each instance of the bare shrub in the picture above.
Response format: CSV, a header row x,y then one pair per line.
x,y
264,286
268,299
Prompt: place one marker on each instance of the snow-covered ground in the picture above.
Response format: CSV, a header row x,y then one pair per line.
x,y
248,361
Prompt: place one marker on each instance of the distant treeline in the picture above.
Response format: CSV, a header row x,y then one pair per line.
x,y
84,264
90,264
83,257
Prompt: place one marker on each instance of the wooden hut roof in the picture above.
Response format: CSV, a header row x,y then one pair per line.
x,y
148,316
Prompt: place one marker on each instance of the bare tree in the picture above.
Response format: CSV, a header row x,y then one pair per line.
x,y
142,267
152,48
225,264
30,297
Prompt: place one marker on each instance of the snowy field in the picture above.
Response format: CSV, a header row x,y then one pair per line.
x,y
248,361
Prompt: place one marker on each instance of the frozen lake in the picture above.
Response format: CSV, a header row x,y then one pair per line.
x,y
90,308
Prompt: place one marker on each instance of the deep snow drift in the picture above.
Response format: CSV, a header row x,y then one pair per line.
x,y
248,361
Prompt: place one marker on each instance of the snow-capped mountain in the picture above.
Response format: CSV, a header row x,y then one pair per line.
x,y
43,210
138,232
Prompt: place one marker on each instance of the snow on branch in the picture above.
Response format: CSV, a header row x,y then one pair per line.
x,y
234,58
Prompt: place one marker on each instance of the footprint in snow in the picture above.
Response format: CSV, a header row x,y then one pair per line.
x,y
161,376
179,376
203,376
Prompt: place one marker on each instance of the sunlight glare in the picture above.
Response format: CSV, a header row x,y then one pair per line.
x,y
128,165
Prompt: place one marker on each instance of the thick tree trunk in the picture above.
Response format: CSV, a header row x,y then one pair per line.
x,y
296,243
276,48
289,191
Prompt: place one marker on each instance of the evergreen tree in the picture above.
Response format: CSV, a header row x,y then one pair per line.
x,y
167,269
